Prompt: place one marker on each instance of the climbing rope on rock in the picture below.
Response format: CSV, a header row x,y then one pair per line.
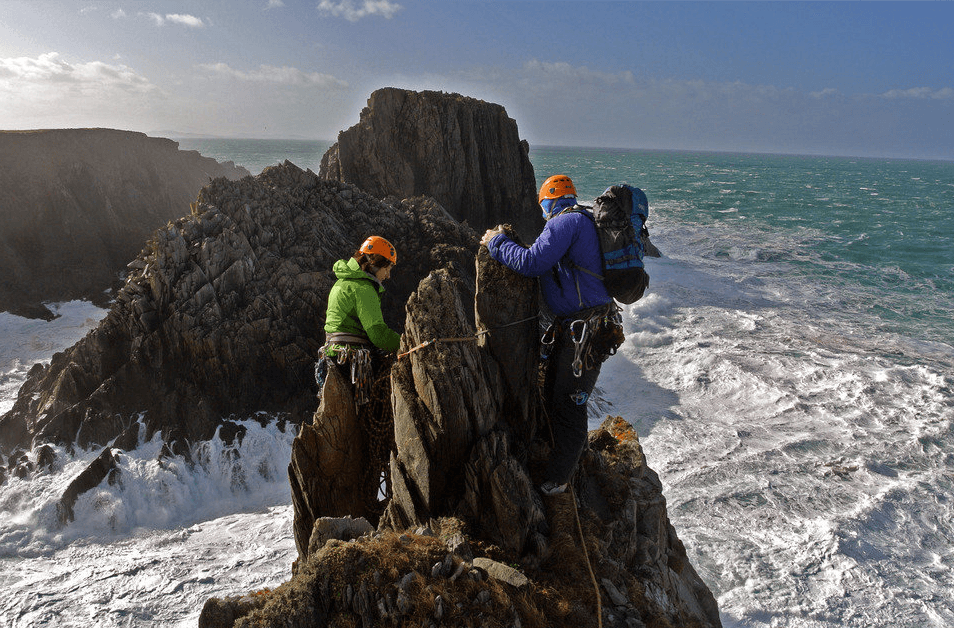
x,y
589,564
473,338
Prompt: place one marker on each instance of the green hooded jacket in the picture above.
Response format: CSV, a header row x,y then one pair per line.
x,y
354,306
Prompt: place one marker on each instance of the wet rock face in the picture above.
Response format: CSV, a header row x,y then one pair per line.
x,y
463,152
223,311
78,204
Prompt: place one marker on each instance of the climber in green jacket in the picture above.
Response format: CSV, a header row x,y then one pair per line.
x,y
354,303
354,325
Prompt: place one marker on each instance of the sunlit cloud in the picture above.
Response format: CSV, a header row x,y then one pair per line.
x,y
51,70
49,90
185,20
174,18
352,13
275,4
920,93
283,75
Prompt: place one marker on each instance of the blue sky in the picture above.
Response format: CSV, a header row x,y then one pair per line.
x,y
839,78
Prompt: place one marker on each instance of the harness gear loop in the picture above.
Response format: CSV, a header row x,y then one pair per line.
x,y
358,358
361,375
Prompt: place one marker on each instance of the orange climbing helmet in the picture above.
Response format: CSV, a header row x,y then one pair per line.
x,y
380,246
557,186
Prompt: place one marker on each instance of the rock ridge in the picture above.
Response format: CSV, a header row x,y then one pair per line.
x,y
222,312
470,443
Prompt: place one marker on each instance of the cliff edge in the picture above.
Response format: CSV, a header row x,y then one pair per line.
x,y
77,204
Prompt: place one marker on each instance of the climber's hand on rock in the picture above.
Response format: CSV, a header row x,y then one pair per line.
x,y
489,235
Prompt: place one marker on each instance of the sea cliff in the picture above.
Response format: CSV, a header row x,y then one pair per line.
x,y
77,204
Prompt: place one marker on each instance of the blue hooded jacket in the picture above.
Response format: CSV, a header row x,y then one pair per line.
x,y
573,236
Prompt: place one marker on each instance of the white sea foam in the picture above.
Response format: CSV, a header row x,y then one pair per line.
x,y
152,547
805,465
25,341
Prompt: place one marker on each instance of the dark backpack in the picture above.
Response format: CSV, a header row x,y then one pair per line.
x,y
620,217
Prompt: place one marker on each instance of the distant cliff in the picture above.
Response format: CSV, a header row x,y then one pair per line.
x,y
463,152
77,204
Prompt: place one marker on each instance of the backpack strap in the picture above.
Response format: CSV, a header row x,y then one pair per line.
x,y
586,211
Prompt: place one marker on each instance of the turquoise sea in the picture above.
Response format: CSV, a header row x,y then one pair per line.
x,y
790,372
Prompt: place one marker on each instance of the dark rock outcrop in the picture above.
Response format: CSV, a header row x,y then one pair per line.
x,y
103,467
468,450
639,567
465,413
77,204
463,152
223,311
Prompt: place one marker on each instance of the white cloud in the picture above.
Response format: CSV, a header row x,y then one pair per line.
x,y
185,20
50,91
348,10
155,17
284,75
51,71
117,14
275,4
566,75
175,18
828,92
920,93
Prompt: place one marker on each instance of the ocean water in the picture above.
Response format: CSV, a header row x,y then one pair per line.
x,y
790,372
256,155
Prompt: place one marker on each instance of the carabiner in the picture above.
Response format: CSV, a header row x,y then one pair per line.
x,y
578,336
546,342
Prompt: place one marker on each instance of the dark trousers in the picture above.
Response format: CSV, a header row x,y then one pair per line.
x,y
566,398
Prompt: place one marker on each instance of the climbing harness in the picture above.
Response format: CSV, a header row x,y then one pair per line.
x,y
596,335
473,338
357,356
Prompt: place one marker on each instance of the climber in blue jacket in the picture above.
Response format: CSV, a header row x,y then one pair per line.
x,y
579,301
